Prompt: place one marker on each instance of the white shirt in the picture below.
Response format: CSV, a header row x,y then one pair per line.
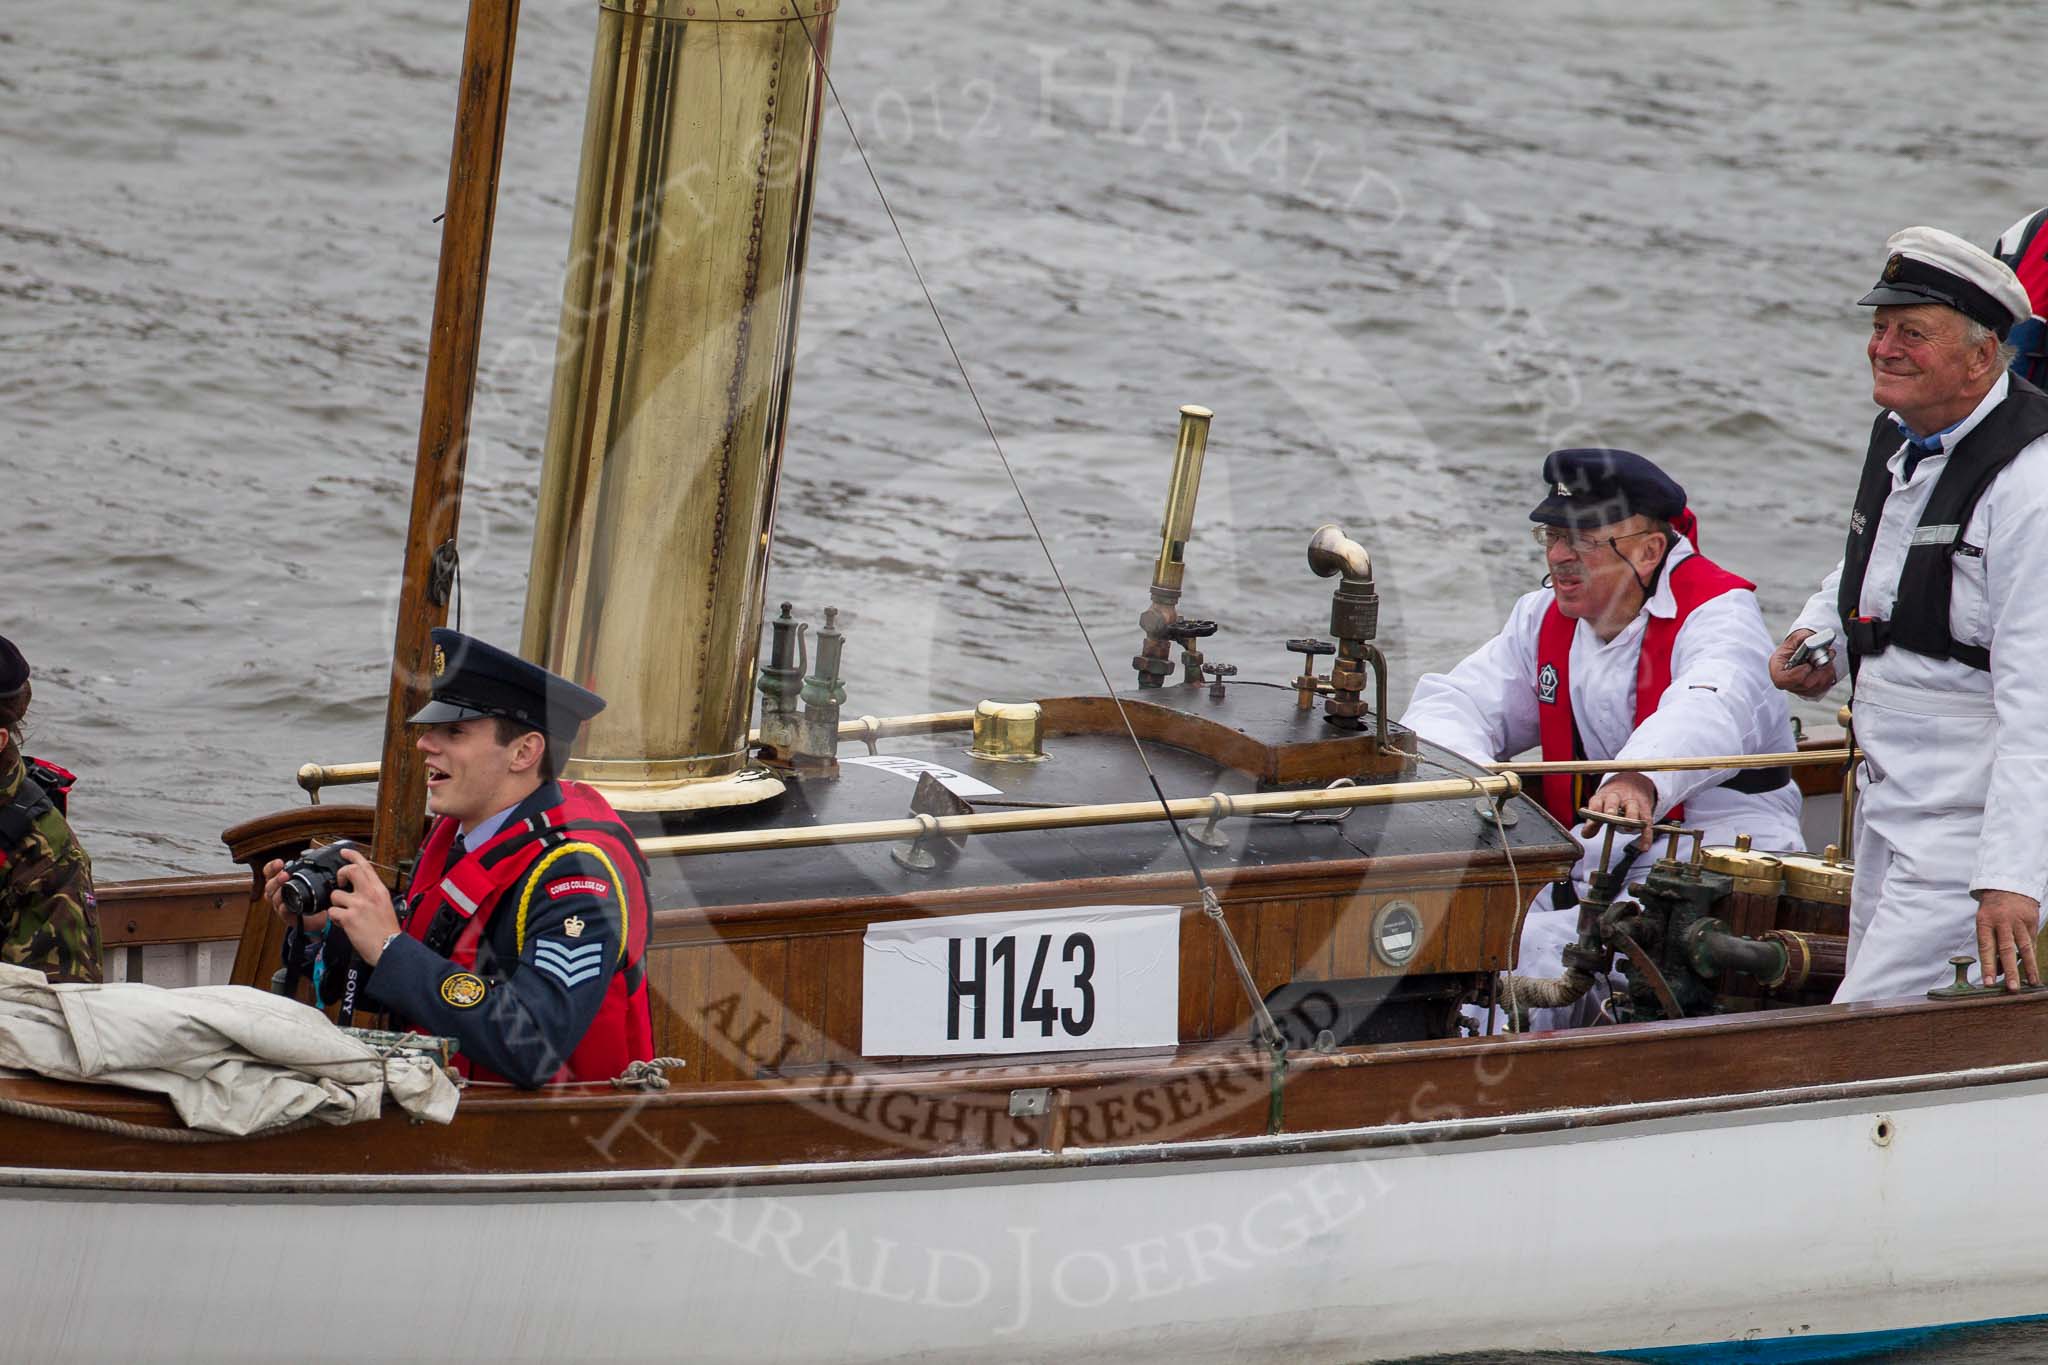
x,y
1999,601
1720,701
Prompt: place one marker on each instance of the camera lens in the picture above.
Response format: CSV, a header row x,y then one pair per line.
x,y
299,895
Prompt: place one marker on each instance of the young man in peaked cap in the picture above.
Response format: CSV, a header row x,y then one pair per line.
x,y
1942,599
1638,647
525,924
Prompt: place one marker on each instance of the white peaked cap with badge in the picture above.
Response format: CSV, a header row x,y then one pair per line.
x,y
1927,265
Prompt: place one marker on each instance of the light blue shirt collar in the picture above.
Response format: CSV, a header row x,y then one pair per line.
x,y
481,833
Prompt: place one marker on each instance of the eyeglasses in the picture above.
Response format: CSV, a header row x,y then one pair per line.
x,y
1581,543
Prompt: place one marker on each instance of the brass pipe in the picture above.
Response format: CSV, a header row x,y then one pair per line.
x,y
1178,526
670,406
872,728
1215,806
1810,759
1161,617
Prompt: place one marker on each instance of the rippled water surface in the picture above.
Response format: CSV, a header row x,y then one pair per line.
x,y
1400,250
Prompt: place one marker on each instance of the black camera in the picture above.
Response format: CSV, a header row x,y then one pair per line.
x,y
310,878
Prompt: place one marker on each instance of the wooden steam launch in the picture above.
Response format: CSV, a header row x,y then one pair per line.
x,y
983,1051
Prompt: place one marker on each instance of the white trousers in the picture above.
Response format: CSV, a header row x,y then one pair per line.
x,y
1919,813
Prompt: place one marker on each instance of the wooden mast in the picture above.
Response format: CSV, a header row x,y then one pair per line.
x,y
444,418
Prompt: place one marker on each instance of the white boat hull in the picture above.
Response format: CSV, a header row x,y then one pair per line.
x,y
1791,1221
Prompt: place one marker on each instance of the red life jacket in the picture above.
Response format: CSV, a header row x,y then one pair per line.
x,y
623,1030
1695,579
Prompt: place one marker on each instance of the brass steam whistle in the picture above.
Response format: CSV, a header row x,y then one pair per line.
x,y
1161,621
781,680
824,692
1355,621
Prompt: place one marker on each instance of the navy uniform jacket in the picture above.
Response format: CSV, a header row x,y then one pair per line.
x,y
541,983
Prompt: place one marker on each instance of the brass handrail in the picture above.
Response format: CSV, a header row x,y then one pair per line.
x,y
1812,758
314,776
1213,807
868,729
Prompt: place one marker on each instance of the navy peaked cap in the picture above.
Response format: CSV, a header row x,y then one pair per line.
x,y
1596,486
473,679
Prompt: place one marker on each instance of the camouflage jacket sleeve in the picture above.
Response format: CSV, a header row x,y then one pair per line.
x,y
49,919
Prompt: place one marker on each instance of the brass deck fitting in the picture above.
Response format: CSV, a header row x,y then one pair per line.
x,y
1355,621
824,692
1307,684
781,681
1009,732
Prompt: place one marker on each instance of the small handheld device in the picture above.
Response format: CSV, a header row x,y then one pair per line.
x,y
1817,649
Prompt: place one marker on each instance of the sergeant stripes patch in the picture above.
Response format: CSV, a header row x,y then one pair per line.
x,y
570,964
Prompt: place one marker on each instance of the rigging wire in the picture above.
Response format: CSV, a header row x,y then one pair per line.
x,y
1211,905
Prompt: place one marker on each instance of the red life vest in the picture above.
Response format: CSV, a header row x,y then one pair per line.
x,y
1695,579
623,1031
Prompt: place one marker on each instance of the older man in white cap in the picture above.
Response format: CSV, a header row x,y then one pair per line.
x,y
1942,599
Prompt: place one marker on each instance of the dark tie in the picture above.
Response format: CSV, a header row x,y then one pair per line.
x,y
455,853
1918,448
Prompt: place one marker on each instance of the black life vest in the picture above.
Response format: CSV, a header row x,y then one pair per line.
x,y
44,787
1920,617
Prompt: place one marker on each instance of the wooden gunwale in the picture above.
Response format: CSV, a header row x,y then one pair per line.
x,y
173,910
797,1131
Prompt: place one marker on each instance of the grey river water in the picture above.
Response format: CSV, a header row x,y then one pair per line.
x,y
1400,250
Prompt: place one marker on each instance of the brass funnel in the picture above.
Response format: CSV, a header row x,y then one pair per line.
x,y
672,380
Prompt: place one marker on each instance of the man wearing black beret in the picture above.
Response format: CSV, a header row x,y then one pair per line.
x,y
1941,597
524,929
1637,647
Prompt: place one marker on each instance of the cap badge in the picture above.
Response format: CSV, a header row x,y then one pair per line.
x,y
1891,267
573,926
1561,490
440,662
